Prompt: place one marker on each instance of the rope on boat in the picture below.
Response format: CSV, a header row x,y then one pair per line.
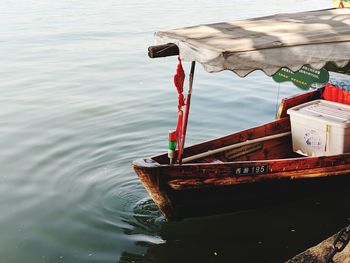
x,y
278,98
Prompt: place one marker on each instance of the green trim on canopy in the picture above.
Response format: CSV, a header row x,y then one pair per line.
x,y
303,78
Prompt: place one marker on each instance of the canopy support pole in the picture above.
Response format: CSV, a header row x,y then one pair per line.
x,y
187,111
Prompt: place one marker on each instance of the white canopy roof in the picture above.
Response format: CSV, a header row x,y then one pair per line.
x,y
267,43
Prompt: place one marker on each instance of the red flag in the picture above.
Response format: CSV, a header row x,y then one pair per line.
x,y
179,77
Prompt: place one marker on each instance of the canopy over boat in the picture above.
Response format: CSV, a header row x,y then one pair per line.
x,y
267,43
249,168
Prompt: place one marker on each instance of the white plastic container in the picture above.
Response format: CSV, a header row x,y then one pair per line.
x,y
320,128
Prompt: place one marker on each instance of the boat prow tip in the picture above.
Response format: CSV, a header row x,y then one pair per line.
x,y
145,163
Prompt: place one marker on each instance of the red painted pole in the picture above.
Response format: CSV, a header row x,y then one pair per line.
x,y
186,113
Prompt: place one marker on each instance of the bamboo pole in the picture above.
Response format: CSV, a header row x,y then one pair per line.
x,y
234,146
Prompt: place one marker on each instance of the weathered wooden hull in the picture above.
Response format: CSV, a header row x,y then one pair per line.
x,y
207,189
262,172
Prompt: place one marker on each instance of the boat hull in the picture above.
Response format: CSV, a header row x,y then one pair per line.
x,y
227,199
193,190
244,170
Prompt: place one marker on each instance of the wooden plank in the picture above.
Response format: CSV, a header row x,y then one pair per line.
x,y
273,149
234,146
183,184
296,100
202,170
272,128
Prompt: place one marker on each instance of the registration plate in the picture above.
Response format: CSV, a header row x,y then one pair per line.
x,y
250,170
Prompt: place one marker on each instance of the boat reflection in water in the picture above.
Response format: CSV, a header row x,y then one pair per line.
x,y
268,234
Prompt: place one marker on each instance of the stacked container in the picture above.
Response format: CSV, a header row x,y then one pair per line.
x,y
320,128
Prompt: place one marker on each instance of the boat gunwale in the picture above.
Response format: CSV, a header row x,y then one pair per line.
x,y
138,163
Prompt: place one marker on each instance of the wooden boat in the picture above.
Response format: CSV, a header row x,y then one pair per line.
x,y
256,166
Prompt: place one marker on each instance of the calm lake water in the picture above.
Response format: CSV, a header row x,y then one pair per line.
x,y
80,100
